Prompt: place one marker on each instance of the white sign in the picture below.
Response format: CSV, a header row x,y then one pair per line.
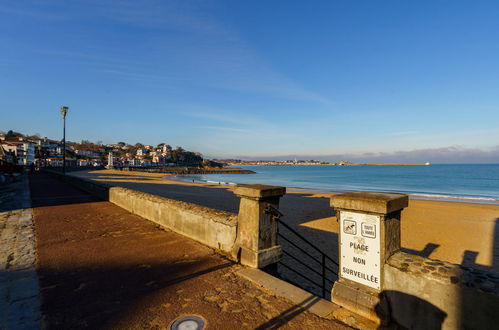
x,y
360,248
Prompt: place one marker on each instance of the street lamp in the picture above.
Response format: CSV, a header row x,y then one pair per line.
x,y
64,111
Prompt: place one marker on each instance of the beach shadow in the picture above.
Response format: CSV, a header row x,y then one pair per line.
x,y
222,198
302,262
118,179
426,252
469,259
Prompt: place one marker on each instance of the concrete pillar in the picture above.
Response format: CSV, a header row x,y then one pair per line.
x,y
257,227
369,234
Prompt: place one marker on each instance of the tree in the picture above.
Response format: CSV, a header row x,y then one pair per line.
x,y
160,145
206,163
34,136
12,134
122,144
178,154
192,158
86,144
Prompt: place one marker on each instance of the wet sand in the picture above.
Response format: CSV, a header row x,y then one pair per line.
x,y
461,233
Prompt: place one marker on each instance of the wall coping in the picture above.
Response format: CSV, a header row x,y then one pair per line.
x,y
259,191
373,202
446,272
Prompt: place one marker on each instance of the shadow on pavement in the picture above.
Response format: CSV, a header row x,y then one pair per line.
x,y
11,195
46,191
101,296
283,318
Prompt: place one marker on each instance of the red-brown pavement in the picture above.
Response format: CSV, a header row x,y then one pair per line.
x,y
102,267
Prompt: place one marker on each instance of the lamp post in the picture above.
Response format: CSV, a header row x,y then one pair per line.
x,y
64,111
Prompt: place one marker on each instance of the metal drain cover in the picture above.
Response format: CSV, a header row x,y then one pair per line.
x,y
188,322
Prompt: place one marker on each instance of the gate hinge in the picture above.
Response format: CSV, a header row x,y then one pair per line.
x,y
273,212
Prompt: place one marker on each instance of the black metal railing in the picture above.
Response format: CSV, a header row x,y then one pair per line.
x,y
322,260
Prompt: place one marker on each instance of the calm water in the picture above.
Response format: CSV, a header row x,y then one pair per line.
x,y
463,182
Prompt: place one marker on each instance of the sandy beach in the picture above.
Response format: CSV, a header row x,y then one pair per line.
x,y
461,233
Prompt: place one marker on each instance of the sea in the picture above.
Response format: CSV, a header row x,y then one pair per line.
x,y
477,183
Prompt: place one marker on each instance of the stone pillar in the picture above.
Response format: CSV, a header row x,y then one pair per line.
x,y
257,225
369,234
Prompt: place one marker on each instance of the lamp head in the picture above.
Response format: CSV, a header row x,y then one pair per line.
x,y
64,111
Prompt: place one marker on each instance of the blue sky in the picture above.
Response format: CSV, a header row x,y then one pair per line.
x,y
262,79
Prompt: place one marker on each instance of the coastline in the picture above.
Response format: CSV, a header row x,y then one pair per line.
x,y
417,196
326,164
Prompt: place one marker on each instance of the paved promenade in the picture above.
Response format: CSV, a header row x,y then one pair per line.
x,y
102,267
19,291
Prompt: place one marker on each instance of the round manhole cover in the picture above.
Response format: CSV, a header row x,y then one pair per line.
x,y
189,322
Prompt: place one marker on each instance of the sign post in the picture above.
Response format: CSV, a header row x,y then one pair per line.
x,y
369,234
360,248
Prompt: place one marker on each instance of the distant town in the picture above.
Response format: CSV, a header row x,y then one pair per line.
x,y
239,162
25,150
19,149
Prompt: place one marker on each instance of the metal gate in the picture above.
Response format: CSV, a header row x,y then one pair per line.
x,y
316,270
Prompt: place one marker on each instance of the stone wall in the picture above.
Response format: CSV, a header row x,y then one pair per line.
x,y
216,229
427,294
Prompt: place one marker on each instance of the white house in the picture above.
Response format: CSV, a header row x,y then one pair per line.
x,y
87,153
23,150
134,162
141,152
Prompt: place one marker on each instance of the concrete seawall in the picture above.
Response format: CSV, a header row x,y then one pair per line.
x,y
216,229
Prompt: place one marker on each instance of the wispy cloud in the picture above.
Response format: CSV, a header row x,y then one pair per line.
x,y
226,129
221,115
402,133
37,11
192,48
451,154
